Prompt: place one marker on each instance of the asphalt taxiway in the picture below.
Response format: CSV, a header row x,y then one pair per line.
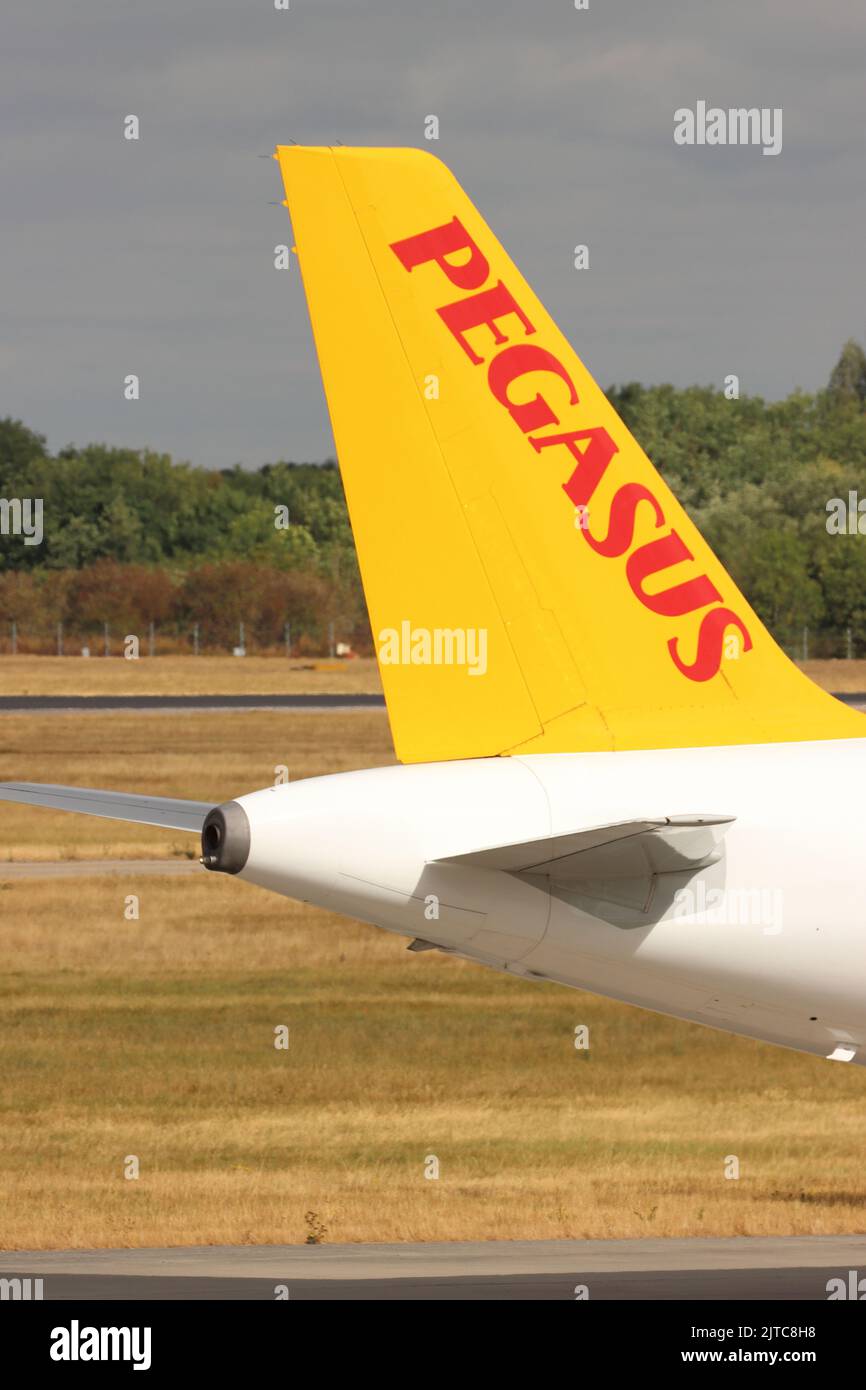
x,y
784,1268
143,704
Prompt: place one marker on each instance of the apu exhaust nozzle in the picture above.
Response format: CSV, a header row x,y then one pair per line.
x,y
225,838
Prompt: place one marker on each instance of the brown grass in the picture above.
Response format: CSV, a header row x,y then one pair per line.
x,y
199,757
842,677
255,675
154,1038
186,675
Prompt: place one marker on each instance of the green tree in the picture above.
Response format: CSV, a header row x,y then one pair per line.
x,y
848,378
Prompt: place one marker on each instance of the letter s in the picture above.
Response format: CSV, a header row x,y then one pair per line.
x,y
711,636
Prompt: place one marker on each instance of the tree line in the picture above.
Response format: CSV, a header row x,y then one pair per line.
x,y
133,538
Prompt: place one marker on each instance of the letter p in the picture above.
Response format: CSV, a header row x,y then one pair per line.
x,y
436,245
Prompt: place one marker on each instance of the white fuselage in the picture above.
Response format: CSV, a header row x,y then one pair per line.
x,y
769,942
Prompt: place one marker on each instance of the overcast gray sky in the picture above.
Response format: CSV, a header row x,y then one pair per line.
x,y
156,257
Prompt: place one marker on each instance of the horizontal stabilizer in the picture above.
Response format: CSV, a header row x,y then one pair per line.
x,y
626,849
144,810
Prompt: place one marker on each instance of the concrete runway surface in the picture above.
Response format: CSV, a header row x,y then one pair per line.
x,y
786,1268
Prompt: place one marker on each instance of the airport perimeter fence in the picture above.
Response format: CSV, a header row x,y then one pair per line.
x,y
823,644
327,639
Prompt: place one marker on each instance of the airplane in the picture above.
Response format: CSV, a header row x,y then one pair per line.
x,y
610,776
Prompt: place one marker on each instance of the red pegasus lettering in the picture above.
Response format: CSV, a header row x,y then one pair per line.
x,y
620,531
711,638
591,465
484,308
661,554
591,449
520,360
440,242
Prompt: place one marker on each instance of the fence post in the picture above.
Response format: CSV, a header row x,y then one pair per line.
x,y
288,636
195,639
849,645
14,638
805,644
331,647
107,647
59,639
150,640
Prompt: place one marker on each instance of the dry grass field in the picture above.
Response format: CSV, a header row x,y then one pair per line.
x,y
198,756
186,675
155,1038
254,675
842,677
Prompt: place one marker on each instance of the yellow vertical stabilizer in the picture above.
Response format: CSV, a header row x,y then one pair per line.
x,y
532,582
